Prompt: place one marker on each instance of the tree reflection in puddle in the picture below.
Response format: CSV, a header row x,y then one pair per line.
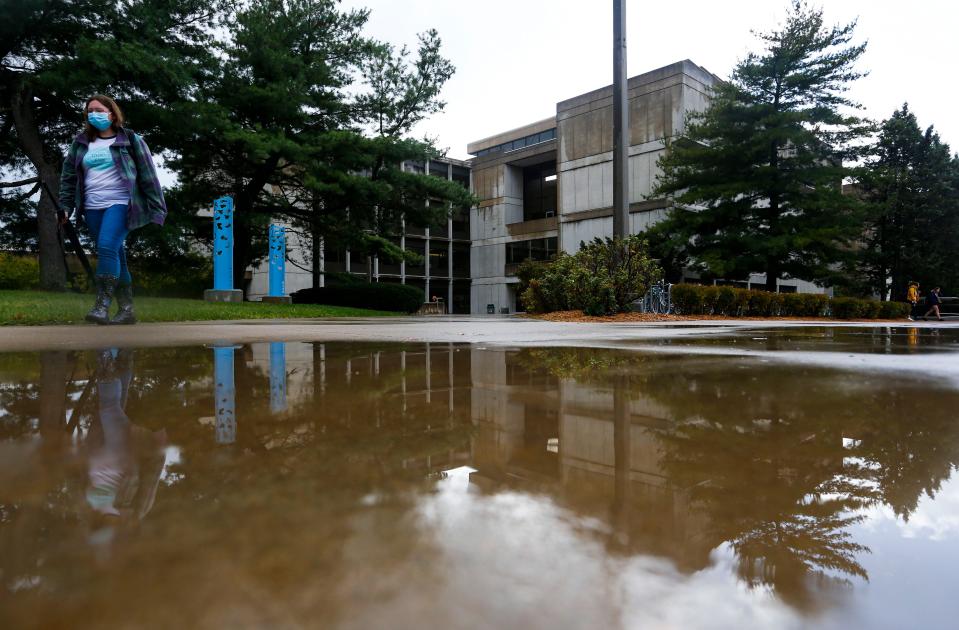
x,y
362,484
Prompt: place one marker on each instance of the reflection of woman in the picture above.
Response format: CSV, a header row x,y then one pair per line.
x,y
126,461
109,177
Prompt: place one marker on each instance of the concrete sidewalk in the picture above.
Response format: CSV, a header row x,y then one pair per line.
x,y
464,329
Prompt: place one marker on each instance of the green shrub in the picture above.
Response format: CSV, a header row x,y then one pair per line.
x,y
602,278
693,299
687,299
759,303
710,297
777,304
726,301
813,305
343,279
186,280
894,310
741,305
847,308
19,272
379,296
793,304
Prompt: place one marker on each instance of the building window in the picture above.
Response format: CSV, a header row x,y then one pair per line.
x,y
439,259
539,191
439,169
461,175
461,223
418,247
519,143
539,249
440,227
461,260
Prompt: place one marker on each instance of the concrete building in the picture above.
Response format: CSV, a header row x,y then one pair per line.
x,y
548,186
445,248
542,188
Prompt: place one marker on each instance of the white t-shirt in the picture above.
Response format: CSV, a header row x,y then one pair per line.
x,y
102,185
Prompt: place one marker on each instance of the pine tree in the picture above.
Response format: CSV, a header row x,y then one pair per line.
x,y
285,128
757,178
911,187
54,54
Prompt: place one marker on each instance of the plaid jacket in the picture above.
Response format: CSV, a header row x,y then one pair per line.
x,y
132,158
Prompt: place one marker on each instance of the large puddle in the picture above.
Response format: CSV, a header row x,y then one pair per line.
x,y
289,485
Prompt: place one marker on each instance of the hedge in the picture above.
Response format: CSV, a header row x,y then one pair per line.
x,y
19,272
378,296
693,299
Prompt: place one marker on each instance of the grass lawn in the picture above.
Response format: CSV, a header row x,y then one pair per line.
x,y
21,308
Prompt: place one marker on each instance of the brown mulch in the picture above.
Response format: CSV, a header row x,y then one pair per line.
x,y
578,316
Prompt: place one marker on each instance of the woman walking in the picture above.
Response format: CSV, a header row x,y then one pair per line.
x,y
109,178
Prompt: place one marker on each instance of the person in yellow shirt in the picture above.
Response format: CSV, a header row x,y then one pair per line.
x,y
912,296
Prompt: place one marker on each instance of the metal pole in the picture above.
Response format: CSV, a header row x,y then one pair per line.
x,y
620,124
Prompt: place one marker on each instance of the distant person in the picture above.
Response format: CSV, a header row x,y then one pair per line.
x,y
933,302
108,177
912,296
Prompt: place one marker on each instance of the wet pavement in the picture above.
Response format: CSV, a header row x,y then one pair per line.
x,y
712,480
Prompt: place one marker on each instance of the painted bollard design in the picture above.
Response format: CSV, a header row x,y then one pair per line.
x,y
277,261
225,392
277,376
223,244
223,290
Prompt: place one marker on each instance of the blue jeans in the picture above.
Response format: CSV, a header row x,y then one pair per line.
x,y
109,228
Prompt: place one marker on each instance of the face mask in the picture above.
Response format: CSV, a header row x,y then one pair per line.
x,y
100,120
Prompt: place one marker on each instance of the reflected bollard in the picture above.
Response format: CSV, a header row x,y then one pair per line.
x,y
277,376
223,290
277,292
225,392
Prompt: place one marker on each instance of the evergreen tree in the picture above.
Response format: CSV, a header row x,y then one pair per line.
x,y
54,54
757,179
284,129
911,187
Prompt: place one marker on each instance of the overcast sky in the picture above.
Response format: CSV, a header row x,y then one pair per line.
x,y
516,59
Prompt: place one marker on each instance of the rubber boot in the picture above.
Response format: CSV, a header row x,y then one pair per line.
x,y
125,302
100,313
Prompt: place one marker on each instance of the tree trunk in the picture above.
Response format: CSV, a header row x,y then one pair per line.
x,y
53,272
242,218
772,274
53,394
241,249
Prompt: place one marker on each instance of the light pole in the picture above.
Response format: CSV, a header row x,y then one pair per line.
x,y
620,124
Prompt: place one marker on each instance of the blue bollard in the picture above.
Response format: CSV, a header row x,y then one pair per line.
x,y
223,290
225,392
277,261
277,376
277,290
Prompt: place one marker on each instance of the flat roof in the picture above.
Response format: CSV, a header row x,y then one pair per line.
x,y
684,67
520,132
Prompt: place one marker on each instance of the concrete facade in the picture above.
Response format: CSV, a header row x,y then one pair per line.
x,y
541,188
445,271
659,102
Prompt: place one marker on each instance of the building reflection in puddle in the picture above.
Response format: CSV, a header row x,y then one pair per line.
x,y
319,473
